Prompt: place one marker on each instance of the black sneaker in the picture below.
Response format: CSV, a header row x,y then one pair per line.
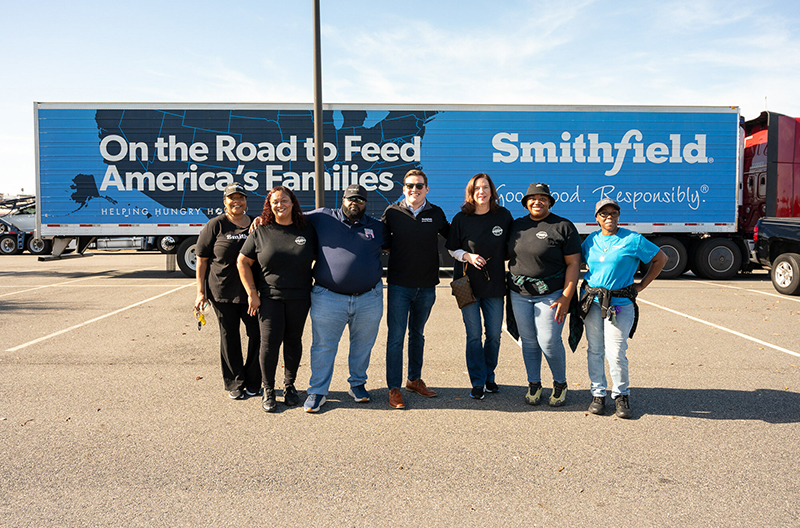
x,y
559,394
268,401
491,387
257,392
236,394
623,409
598,405
476,393
290,397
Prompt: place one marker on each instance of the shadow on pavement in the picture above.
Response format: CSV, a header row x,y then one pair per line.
x,y
767,405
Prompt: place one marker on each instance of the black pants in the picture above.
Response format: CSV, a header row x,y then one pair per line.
x,y
236,372
282,322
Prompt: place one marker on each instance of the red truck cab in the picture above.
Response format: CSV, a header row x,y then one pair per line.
x,y
770,170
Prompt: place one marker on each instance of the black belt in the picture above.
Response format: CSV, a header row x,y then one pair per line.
x,y
352,294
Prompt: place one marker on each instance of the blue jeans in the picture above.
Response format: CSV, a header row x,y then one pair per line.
x,y
482,354
609,341
540,333
330,313
406,308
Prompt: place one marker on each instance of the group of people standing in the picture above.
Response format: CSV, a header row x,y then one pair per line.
x,y
327,263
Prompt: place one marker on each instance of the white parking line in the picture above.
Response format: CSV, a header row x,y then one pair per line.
x,y
734,332
90,321
105,273
779,296
47,286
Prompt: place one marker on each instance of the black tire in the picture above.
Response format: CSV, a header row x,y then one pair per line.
x,y
187,260
38,246
8,245
677,256
785,274
717,259
168,243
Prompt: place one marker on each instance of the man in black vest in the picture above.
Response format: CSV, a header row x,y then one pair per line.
x,y
411,228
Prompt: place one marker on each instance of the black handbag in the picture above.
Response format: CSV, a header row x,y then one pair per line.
x,y
462,290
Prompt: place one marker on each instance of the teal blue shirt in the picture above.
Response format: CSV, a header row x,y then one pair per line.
x,y
614,259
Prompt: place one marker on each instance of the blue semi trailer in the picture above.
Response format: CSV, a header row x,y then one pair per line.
x,y
158,170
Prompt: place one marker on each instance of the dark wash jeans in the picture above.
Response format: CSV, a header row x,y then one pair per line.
x,y
483,342
406,308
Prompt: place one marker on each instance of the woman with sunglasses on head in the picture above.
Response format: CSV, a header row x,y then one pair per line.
x,y
283,247
218,281
544,252
608,301
477,240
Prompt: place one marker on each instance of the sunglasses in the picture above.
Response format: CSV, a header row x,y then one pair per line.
x,y
357,199
419,186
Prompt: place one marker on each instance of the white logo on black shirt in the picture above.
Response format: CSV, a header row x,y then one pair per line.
x,y
427,220
541,235
497,231
240,236
300,241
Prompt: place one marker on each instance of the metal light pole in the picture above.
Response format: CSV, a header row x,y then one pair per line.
x,y
319,145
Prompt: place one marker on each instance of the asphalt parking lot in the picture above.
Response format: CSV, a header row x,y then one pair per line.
x,y
112,413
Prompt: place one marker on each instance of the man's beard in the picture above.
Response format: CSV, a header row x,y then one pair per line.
x,y
355,213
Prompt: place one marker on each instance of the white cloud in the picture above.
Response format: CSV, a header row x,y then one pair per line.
x,y
698,52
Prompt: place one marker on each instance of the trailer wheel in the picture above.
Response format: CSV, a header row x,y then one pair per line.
x,y
167,243
677,257
717,259
38,246
187,260
8,245
786,274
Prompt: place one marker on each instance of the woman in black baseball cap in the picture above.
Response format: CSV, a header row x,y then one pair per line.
x,y
218,282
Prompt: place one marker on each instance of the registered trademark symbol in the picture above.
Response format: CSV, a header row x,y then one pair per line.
x,y
711,160
704,189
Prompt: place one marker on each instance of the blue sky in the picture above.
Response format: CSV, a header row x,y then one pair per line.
x,y
685,53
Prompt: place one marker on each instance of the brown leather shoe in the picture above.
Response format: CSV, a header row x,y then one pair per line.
x,y
420,388
396,399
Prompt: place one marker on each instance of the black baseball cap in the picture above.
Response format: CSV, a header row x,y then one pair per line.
x,y
234,188
355,190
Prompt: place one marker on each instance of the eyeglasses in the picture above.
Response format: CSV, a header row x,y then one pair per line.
x,y
609,214
419,186
356,199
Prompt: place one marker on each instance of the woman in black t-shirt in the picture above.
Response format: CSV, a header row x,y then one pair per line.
x,y
477,240
544,252
218,281
284,248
